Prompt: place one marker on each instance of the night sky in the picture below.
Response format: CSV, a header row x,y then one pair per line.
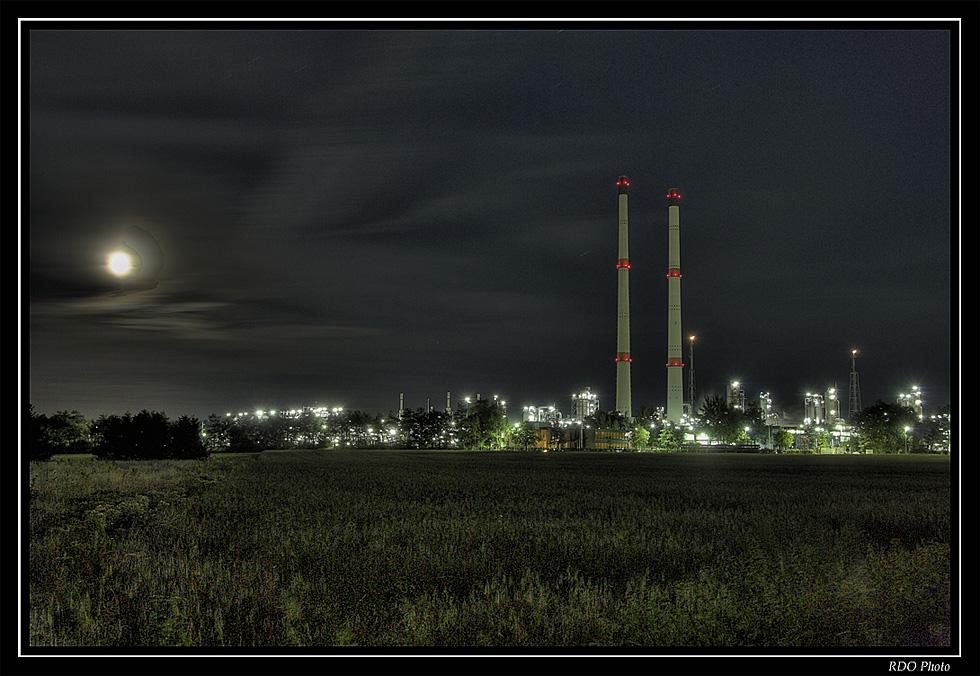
x,y
334,214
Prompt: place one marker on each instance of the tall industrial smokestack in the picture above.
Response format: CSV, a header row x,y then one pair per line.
x,y
675,365
623,394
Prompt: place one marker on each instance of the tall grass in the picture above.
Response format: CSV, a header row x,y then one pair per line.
x,y
399,548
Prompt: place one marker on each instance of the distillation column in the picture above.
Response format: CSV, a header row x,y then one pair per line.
x,y
675,364
623,361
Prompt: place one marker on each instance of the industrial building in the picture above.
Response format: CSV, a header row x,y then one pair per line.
x,y
813,412
553,431
584,404
821,408
912,400
832,406
736,395
577,436
542,414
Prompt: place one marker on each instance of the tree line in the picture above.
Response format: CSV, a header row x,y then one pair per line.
x,y
144,436
880,428
480,425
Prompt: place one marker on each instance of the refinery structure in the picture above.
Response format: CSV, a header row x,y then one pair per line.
x,y
822,410
590,426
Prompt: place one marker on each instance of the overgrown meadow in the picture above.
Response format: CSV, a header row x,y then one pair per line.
x,y
422,548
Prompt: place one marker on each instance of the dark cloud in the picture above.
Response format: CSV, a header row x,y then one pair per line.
x,y
346,214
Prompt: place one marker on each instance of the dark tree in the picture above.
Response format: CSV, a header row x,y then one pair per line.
x,y
275,433
881,427
148,435
37,444
556,436
648,418
669,439
426,429
356,429
782,439
152,431
484,425
611,420
307,431
185,439
217,433
724,423
63,432
114,437
524,437
245,437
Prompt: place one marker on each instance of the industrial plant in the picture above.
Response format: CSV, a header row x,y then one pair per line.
x,y
823,412
589,425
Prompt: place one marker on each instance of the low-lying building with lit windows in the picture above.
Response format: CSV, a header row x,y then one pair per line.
x,y
577,436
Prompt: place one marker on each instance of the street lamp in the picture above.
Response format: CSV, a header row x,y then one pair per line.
x,y
907,428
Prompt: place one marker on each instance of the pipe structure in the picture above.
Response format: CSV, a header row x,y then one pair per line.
x,y
624,405
675,363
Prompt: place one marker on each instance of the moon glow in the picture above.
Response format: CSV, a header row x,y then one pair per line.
x,y
120,264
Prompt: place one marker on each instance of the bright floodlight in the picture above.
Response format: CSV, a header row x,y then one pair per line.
x,y
120,264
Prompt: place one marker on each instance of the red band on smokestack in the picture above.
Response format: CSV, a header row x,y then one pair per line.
x,y
623,356
623,263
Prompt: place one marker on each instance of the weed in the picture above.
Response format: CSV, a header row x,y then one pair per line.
x,y
376,548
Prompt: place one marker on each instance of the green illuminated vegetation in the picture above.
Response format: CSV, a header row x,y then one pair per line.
x,y
448,548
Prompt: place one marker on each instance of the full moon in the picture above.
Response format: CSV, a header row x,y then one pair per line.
x,y
120,264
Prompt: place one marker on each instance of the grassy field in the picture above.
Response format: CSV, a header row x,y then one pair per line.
x,y
406,548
